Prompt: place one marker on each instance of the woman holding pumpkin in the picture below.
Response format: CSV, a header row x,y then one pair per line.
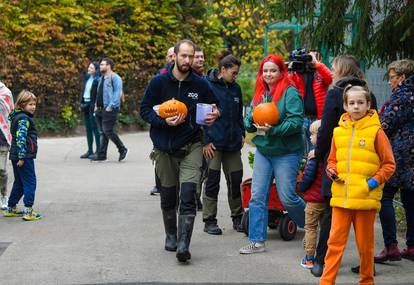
x,y
279,150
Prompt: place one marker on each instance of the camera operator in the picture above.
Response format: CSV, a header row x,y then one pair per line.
x,y
312,79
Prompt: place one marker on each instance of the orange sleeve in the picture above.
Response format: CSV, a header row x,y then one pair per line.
x,y
332,157
384,151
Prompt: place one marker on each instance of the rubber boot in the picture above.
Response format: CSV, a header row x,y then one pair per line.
x,y
170,226
185,230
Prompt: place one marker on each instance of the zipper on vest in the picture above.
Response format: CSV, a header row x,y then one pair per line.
x,y
349,165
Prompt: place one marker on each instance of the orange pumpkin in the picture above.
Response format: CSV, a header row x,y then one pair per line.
x,y
172,108
266,113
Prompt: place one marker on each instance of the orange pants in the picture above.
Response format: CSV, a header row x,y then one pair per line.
x,y
363,221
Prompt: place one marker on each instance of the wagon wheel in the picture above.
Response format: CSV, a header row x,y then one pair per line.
x,y
287,228
245,222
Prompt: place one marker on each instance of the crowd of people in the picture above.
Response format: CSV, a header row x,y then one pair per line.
x,y
357,158
329,117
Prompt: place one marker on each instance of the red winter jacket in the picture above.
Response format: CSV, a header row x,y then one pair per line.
x,y
311,183
321,81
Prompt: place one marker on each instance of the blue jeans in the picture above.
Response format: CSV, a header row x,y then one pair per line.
x,y
387,214
24,184
285,170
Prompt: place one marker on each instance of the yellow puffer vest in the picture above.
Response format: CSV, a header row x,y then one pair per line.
x,y
357,161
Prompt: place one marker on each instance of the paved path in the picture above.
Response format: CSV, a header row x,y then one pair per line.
x,y
101,226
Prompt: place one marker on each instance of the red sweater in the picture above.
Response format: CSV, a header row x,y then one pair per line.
x,y
321,81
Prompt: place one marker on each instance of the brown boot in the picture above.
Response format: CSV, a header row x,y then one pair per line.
x,y
382,256
408,253
394,253
391,253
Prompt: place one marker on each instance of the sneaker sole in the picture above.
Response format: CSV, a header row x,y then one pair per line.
x,y
409,257
31,219
306,266
213,233
251,252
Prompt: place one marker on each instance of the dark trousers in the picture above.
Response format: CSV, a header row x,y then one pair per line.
x,y
387,214
325,228
106,122
178,175
91,130
24,184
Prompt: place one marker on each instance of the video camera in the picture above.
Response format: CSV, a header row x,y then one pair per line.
x,y
299,60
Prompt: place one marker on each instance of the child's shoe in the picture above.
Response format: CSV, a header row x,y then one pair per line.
x,y
30,215
307,262
3,202
13,212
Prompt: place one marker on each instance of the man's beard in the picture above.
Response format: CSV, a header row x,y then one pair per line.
x,y
181,68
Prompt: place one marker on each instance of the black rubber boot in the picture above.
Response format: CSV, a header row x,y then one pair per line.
x,y
170,225
185,230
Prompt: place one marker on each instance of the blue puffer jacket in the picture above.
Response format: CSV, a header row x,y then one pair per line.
x,y
24,135
228,131
397,120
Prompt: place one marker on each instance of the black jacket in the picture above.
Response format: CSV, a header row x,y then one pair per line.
x,y
332,111
192,90
89,106
228,131
30,138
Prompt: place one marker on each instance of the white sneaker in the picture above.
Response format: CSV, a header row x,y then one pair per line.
x,y
253,247
3,202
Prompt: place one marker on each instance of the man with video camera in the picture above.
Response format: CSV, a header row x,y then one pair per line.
x,y
312,79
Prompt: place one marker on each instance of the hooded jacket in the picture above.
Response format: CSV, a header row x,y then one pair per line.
x,y
24,135
192,90
227,132
332,111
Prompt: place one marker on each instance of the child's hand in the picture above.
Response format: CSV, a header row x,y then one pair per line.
x,y
20,163
372,183
333,175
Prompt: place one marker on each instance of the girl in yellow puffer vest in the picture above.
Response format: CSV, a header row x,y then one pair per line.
x,y
359,163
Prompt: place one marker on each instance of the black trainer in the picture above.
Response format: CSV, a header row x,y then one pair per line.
x,y
212,229
317,269
123,154
356,270
155,191
237,225
86,155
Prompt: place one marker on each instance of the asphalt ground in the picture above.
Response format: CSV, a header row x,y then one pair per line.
x,y
101,226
